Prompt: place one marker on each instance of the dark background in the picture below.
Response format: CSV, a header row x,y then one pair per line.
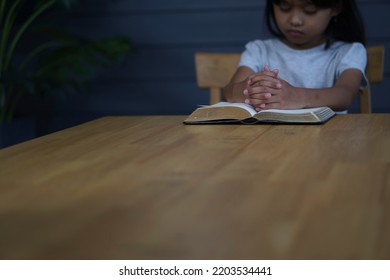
x,y
159,77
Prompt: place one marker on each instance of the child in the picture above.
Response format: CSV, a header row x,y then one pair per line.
x,y
318,57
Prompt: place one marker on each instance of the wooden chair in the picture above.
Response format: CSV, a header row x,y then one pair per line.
x,y
214,71
374,72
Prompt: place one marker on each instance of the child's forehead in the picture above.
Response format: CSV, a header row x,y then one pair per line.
x,y
297,2
318,3
322,4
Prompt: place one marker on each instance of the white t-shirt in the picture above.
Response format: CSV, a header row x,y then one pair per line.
x,y
311,68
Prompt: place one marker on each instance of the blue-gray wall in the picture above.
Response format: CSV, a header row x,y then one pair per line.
x,y
159,78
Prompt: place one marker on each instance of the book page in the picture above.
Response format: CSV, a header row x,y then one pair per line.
x,y
244,106
292,111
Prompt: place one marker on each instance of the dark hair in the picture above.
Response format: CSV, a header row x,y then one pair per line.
x,y
347,26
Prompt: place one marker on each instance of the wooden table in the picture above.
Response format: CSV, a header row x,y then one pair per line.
x,y
152,188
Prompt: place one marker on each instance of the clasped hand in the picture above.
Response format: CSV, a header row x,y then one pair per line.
x,y
265,90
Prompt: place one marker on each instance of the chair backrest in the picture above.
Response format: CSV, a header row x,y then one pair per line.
x,y
374,72
214,71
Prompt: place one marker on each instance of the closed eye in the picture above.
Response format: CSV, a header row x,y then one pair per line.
x,y
310,9
284,7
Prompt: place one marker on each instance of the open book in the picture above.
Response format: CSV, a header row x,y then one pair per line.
x,y
226,112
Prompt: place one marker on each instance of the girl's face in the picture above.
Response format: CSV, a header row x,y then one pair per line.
x,y
302,23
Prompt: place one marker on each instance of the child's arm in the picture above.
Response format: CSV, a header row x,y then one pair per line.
x,y
339,97
233,92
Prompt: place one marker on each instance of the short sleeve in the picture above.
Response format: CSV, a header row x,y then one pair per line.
x,y
354,58
251,55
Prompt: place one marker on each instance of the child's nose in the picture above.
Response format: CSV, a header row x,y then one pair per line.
x,y
296,18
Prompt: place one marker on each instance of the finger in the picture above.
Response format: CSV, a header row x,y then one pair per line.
x,y
258,99
261,96
261,75
276,72
260,107
271,105
274,84
258,90
265,82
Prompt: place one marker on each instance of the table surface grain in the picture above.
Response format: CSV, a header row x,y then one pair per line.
x,y
149,187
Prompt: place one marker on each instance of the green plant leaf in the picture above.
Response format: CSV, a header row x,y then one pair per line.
x,y
62,63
